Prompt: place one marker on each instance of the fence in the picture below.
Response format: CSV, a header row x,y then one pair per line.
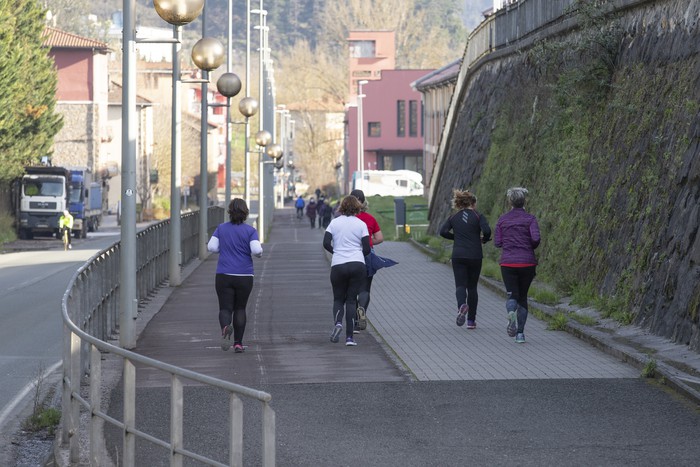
x,y
90,316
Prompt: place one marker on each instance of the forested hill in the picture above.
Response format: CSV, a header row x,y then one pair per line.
x,y
440,24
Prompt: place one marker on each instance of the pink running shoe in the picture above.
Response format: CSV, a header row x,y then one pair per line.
x,y
462,315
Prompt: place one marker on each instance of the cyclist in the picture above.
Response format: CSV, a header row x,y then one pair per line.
x,y
66,222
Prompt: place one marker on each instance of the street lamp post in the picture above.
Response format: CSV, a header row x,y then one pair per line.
x,y
283,138
229,85
262,139
208,55
248,107
176,12
360,130
261,94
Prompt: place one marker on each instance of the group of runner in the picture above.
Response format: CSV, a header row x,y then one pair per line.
x,y
351,236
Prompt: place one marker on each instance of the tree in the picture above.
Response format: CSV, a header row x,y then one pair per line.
x,y
426,36
312,84
28,121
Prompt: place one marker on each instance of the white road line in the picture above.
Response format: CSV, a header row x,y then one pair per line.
x,y
12,405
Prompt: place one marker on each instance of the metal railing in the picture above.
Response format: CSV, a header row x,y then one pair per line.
x,y
90,310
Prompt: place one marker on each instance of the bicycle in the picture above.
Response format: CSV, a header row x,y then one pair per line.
x,y
66,239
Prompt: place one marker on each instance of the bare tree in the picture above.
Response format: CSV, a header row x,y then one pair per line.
x,y
419,42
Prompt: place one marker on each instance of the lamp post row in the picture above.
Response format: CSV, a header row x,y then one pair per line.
x,y
208,54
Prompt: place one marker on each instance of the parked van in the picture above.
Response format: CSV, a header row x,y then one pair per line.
x,y
388,182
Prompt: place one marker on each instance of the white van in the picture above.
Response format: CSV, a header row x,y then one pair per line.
x,y
388,182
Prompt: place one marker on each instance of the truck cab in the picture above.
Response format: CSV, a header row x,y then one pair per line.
x,y
42,198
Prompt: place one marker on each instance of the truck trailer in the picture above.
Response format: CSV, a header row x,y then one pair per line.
x,y
85,201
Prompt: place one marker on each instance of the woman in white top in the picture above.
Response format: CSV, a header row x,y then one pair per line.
x,y
347,238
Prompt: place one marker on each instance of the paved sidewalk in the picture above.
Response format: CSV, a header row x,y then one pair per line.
x,y
413,309
413,383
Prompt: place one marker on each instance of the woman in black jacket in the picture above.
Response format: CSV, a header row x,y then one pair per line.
x,y
469,229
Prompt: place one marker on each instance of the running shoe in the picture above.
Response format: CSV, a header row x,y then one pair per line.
x,y
471,324
462,315
520,338
238,348
361,318
512,328
226,337
335,334
350,341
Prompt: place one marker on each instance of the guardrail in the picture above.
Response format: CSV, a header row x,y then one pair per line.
x,y
90,317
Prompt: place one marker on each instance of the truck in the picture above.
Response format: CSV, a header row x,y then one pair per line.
x,y
84,201
388,182
40,196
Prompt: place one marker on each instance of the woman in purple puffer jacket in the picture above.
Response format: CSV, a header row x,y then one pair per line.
x,y
517,234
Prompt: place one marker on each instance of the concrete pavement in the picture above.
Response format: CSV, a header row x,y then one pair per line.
x,y
417,390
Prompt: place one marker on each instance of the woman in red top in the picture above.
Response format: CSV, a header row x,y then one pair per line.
x,y
375,238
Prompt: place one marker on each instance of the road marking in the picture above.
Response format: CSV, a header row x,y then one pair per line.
x,y
12,405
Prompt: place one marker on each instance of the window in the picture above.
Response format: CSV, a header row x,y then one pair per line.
x,y
413,118
362,49
422,119
374,129
400,118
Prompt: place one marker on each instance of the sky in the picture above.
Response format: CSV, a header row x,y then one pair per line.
x,y
473,12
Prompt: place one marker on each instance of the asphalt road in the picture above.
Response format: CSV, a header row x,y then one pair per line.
x,y
34,275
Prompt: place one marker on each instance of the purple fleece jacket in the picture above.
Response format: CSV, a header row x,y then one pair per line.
x,y
518,234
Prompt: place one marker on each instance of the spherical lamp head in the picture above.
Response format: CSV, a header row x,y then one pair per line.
x,y
208,53
229,84
248,107
178,12
263,138
275,151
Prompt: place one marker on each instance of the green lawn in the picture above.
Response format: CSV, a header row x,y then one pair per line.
x,y
382,208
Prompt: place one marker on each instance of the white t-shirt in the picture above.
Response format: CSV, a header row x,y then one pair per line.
x,y
347,232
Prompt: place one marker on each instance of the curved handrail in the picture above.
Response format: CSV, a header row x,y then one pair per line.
x,y
90,299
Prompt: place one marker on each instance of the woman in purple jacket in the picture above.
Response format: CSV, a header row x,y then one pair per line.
x,y
517,234
236,242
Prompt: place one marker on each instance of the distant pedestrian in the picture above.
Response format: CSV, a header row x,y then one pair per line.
x,y
327,214
347,239
517,234
320,207
236,242
469,229
311,212
299,204
375,238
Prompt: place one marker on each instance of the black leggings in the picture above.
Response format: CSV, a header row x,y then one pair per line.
x,y
346,280
517,282
233,293
466,272
363,296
